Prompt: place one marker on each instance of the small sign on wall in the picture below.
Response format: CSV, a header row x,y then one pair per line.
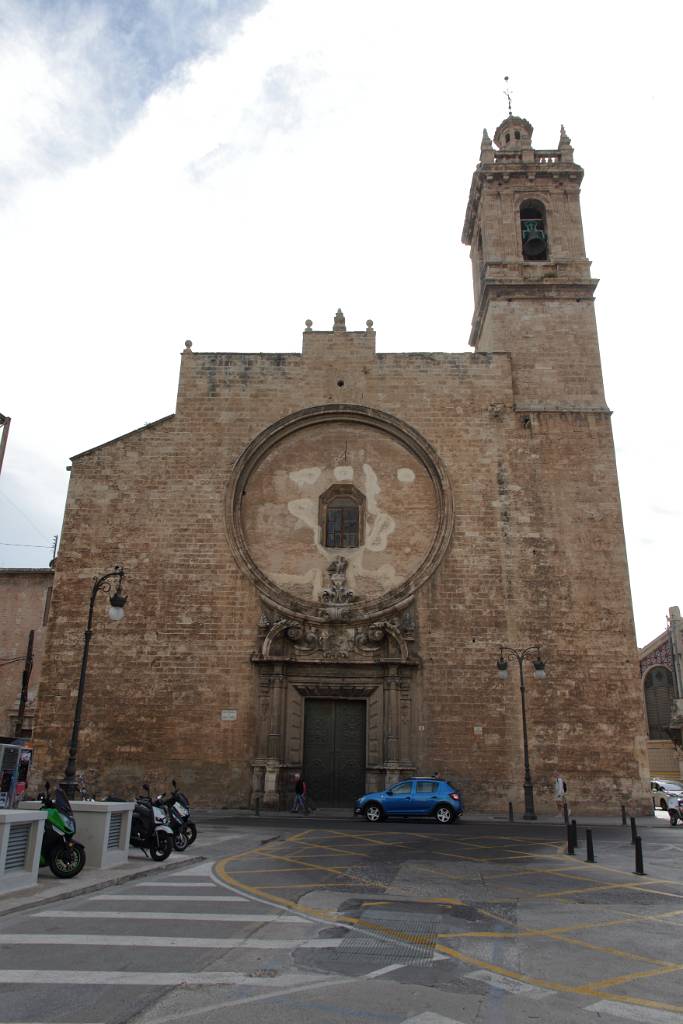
x,y
229,715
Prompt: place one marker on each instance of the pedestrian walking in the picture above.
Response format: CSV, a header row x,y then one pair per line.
x,y
299,796
560,791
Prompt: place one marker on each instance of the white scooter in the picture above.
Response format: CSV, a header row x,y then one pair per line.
x,y
675,810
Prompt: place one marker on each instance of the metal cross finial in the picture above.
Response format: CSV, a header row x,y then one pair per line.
x,y
506,92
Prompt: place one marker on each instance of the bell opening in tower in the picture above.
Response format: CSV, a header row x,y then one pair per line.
x,y
534,231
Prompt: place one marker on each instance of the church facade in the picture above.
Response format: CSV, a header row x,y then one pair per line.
x,y
325,550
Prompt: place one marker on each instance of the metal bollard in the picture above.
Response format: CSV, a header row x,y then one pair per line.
x,y
623,815
575,834
634,831
511,816
570,841
639,856
257,806
590,856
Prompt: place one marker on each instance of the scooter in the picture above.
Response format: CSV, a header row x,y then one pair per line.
x,y
676,813
150,830
181,808
60,851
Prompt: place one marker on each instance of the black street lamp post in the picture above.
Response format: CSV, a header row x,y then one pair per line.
x,y
539,673
116,602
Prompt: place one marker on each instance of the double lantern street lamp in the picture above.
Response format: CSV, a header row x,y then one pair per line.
x,y
532,654
117,601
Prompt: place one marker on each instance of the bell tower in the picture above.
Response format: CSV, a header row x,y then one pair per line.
x,y
533,289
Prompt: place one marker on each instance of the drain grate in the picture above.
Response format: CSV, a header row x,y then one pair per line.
x,y
392,937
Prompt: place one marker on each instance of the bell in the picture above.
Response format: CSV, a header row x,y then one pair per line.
x,y
534,242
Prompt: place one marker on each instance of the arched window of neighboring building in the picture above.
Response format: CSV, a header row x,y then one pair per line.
x,y
659,696
534,230
342,516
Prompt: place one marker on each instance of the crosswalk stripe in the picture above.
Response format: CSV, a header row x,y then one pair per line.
x,y
384,970
170,941
140,896
430,1018
179,885
642,1014
509,984
165,979
205,868
133,915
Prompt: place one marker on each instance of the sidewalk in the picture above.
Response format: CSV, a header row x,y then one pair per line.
x,y
658,820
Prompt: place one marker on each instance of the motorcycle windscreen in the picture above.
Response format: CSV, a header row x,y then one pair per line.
x,y
62,803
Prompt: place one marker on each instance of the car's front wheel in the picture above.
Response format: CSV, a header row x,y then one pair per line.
x,y
373,812
443,814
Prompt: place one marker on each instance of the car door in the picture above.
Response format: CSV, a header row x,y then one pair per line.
x,y
398,799
425,796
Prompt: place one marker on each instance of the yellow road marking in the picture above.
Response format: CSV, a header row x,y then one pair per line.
x,y
332,849
551,932
317,885
220,870
369,840
266,870
324,867
523,894
610,982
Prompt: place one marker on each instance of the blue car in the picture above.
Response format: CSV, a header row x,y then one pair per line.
x,y
413,798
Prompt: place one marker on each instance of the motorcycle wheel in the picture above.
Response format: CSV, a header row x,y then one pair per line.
x,y
180,840
66,861
190,831
162,846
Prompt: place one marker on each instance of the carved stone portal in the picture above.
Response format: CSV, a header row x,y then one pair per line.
x,y
299,661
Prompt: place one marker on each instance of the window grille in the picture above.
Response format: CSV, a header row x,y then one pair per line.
x,y
17,846
114,836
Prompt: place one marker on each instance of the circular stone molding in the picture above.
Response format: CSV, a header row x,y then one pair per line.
x,y
360,609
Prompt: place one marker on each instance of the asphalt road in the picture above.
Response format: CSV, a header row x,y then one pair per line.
x,y
320,921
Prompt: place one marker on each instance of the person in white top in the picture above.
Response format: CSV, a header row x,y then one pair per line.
x,y
560,790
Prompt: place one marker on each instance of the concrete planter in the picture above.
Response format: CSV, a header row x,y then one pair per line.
x,y
21,835
103,829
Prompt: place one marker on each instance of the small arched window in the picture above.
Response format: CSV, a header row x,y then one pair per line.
x,y
342,516
534,231
659,696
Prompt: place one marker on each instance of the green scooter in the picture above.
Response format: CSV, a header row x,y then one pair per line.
x,y
60,851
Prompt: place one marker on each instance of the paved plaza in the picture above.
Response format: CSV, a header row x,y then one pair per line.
x,y
331,919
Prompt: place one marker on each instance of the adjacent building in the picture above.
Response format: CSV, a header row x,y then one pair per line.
x,y
661,668
24,607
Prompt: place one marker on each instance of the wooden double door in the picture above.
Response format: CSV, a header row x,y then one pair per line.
x,y
334,750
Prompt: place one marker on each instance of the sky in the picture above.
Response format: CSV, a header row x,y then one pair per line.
x,y
221,171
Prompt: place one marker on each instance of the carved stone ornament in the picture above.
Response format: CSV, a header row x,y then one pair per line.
x,y
292,640
337,596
